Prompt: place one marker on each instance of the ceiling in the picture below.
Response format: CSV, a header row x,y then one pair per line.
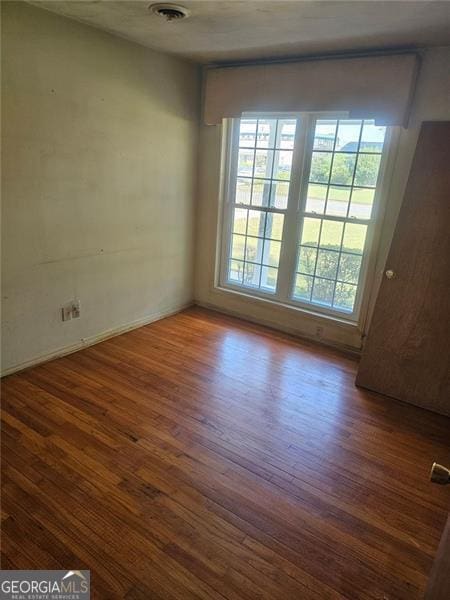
x,y
235,30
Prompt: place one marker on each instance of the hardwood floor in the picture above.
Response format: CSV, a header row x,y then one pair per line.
x,y
205,457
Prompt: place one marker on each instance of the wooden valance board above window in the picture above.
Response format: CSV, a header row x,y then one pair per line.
x,y
377,87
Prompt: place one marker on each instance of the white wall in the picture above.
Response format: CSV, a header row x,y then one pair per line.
x,y
99,165
431,102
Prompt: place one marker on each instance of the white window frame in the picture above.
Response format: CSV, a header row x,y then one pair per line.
x,y
302,154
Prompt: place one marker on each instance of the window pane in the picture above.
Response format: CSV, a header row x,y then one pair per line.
x,y
243,190
349,267
354,238
245,162
274,227
310,232
323,291
348,135
269,278
315,200
331,235
247,133
251,274
253,249
320,167
372,138
361,203
286,133
263,163
307,260
343,168
260,192
256,223
283,164
271,255
344,297
266,133
303,287
238,246
324,134
240,220
235,271
279,194
327,263
337,202
367,169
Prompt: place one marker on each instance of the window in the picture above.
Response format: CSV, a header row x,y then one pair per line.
x,y
264,164
301,205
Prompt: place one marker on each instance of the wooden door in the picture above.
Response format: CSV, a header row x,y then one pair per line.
x,y
406,354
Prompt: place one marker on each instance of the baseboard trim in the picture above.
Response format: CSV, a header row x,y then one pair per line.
x,y
94,339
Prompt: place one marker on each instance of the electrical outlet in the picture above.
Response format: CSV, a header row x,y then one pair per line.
x,y
76,309
71,310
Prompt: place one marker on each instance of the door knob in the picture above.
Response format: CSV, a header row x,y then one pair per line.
x,y
390,274
440,474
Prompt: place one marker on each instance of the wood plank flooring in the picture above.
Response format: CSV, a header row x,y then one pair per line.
x,y
205,457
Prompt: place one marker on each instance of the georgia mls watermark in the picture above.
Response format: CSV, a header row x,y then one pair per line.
x,y
45,585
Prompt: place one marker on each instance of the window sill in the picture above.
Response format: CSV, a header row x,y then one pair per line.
x,y
310,313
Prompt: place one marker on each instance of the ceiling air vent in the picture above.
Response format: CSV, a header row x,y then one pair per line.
x,y
169,12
